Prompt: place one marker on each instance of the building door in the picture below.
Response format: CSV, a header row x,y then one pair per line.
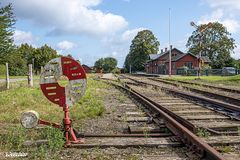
x,y
161,69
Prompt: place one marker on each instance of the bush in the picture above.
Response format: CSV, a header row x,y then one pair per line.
x,y
116,71
2,69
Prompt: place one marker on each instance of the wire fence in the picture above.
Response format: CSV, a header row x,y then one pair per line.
x,y
208,72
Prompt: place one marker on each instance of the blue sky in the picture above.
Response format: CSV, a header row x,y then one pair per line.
x,y
91,29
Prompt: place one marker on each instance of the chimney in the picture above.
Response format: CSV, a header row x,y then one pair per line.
x,y
171,47
166,49
161,51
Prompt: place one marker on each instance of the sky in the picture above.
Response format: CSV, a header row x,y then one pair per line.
x,y
93,29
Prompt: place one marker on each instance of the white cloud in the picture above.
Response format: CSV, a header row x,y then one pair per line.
x,y
125,38
69,16
130,34
231,24
23,37
117,45
234,4
65,45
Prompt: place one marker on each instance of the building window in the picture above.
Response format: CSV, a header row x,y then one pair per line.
x,y
189,65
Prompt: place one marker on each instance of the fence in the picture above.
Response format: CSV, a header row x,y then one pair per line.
x,y
207,72
6,80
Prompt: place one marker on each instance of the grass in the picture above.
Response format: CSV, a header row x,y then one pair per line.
x,y
225,149
221,80
201,132
11,77
21,98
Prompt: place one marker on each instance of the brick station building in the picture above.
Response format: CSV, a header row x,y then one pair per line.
x,y
159,63
87,69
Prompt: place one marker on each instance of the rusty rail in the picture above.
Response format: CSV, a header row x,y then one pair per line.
x,y
187,137
228,99
216,103
206,85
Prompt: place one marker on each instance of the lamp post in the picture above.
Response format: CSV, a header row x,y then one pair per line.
x,y
200,34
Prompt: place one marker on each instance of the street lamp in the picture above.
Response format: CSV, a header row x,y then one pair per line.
x,y
200,34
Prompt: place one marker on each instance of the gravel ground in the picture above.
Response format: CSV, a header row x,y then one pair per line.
x,y
113,122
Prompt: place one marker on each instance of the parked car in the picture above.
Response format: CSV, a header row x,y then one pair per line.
x,y
228,71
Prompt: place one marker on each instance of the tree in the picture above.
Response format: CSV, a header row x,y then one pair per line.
x,y
42,56
7,21
99,63
107,64
17,64
237,64
143,44
27,52
216,44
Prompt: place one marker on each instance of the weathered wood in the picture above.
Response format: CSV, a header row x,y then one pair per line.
x,y
127,142
42,69
223,140
7,77
185,107
217,124
127,105
135,113
174,103
30,76
164,157
194,112
171,101
136,129
203,117
137,119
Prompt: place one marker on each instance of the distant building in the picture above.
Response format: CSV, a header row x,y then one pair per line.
x,y
87,68
159,63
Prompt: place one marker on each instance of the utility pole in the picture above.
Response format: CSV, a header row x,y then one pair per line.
x,y
200,34
170,48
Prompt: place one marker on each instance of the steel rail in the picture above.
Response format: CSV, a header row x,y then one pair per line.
x,y
207,85
187,137
216,103
231,100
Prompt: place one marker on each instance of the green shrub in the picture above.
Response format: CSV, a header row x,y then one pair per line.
x,y
2,70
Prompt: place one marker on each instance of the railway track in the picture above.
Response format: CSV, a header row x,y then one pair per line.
x,y
218,129
220,88
231,96
219,105
148,131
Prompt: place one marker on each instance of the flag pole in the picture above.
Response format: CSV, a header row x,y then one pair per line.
x,y
170,48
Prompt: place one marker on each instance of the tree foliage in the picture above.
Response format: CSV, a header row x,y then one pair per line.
x,y
107,64
19,57
42,55
216,44
7,21
143,44
237,64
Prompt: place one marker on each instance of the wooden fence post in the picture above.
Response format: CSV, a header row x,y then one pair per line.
x,y
42,69
30,76
7,77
